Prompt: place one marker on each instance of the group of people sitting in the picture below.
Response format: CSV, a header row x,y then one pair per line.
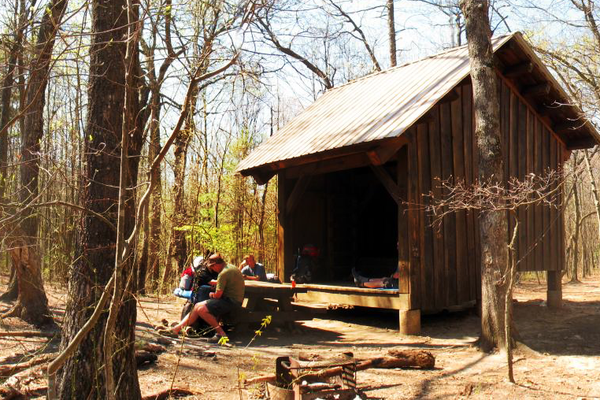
x,y
215,289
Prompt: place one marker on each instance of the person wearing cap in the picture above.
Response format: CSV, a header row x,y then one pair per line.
x,y
228,295
252,270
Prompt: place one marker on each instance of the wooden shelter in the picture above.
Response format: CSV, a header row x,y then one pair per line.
x,y
355,167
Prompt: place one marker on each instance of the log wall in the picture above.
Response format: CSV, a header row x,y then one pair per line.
x,y
444,260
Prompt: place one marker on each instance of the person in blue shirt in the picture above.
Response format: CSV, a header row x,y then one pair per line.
x,y
252,270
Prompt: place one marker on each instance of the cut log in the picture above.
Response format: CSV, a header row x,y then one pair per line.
x,y
397,359
419,359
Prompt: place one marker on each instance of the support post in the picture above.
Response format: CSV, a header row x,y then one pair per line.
x,y
410,322
409,319
554,293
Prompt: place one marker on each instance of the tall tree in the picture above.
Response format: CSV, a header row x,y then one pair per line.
x,y
83,375
391,32
153,225
32,303
15,47
493,224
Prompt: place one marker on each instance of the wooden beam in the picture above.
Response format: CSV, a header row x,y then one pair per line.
x,y
581,143
383,154
337,153
517,70
327,166
536,90
297,192
387,182
261,177
451,96
568,126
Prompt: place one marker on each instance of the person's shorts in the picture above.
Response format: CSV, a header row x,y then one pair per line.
x,y
220,307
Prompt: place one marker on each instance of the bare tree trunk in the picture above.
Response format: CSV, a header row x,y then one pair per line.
x,y
508,300
493,224
12,290
391,32
32,303
83,375
7,85
593,187
177,245
575,248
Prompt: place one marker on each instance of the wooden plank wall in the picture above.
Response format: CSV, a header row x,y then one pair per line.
x,y
445,264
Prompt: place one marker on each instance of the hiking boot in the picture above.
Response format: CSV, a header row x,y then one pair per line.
x,y
216,339
358,280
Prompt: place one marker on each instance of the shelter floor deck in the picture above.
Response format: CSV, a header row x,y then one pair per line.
x,y
346,294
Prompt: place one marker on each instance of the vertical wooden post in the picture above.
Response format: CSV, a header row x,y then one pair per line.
x,y
409,319
554,293
285,251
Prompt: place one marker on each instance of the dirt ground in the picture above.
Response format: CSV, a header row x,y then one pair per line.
x,y
563,361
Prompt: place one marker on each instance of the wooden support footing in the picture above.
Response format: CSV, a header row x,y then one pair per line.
x,y
554,293
410,322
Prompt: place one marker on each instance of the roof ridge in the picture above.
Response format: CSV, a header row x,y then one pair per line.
x,y
392,69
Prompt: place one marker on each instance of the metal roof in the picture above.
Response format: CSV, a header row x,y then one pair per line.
x,y
379,106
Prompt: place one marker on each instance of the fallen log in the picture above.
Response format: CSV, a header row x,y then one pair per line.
x,y
8,370
165,394
399,359
28,334
153,348
8,393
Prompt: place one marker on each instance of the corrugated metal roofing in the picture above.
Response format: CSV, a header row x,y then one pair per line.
x,y
379,106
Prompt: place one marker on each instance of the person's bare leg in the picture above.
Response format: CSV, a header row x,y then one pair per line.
x,y
374,283
189,319
211,320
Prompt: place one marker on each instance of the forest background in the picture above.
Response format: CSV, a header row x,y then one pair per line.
x,y
284,57
122,123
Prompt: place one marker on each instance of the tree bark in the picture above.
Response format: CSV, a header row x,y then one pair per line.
x,y
12,291
83,375
177,245
32,303
593,187
576,230
493,224
391,32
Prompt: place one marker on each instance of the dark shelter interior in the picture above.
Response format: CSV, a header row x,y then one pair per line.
x,y
352,220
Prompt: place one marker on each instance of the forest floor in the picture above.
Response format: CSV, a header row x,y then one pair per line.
x,y
562,360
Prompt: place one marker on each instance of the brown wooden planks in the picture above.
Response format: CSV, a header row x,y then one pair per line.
x,y
414,224
553,240
449,227
426,244
537,157
561,216
513,153
462,266
435,157
468,149
545,209
529,260
403,233
522,154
